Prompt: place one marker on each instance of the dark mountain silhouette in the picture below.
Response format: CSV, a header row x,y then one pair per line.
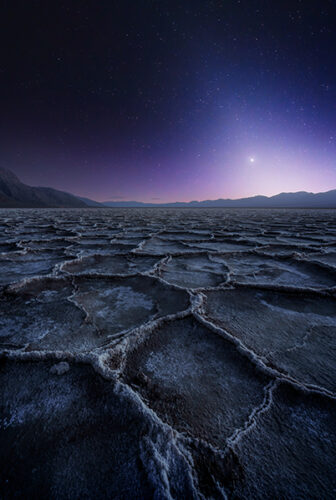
x,y
13,193
301,199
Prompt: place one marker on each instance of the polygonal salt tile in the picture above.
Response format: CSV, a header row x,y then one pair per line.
x,y
98,249
327,257
39,316
185,236
118,304
276,249
110,264
195,380
290,452
288,330
73,434
258,269
16,266
222,245
54,243
156,246
194,271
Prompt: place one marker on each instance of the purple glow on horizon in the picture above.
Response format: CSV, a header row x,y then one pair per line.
x,y
188,176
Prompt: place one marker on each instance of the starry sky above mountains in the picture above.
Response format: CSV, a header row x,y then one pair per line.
x,y
165,100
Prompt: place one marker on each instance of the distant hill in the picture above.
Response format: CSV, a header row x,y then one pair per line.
x,y
89,202
13,193
300,199
133,204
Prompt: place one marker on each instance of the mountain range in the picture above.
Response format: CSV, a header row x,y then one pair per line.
x,y
13,193
16,194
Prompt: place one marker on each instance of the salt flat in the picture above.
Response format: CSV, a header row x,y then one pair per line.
x,y
167,353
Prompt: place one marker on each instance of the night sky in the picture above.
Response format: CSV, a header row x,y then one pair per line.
x,y
165,101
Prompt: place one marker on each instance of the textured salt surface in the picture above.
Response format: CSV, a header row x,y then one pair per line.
x,y
167,353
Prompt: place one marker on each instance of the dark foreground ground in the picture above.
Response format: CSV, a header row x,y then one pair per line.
x,y
167,353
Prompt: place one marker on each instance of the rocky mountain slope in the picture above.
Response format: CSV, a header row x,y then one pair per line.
x,y
14,193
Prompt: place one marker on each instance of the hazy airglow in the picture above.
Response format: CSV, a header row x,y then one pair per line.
x,y
171,101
